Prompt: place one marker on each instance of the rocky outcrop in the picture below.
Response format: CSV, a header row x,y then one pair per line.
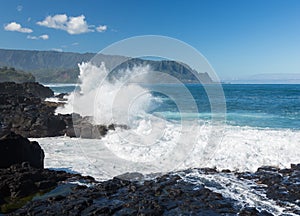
x,y
168,194
27,89
24,111
282,185
19,183
15,149
22,175
78,126
29,116
175,193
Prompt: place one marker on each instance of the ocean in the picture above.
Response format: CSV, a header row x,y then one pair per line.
x,y
264,106
180,126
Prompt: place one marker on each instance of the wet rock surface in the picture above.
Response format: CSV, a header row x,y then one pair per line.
x,y
19,183
24,111
168,194
15,149
24,89
282,185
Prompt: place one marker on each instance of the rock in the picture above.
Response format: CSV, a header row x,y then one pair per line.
x,y
280,185
24,111
21,182
249,211
42,185
295,167
17,149
168,194
61,96
86,130
29,88
55,126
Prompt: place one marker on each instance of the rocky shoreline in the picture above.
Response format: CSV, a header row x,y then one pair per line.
x,y
23,110
26,188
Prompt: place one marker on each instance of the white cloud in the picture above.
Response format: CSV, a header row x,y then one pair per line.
x,y
57,49
75,44
32,37
72,25
43,37
13,26
57,21
101,28
77,25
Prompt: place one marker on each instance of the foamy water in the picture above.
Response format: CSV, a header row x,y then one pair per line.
x,y
172,129
161,138
242,149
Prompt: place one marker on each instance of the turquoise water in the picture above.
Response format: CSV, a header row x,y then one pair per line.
x,y
255,105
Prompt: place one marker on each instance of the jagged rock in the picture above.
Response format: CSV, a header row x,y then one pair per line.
x,y
21,181
29,88
23,111
61,95
282,184
134,193
17,149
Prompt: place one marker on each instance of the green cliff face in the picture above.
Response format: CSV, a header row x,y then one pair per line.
x,y
13,75
62,67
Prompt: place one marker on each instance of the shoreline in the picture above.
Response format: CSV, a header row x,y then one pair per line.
x,y
28,188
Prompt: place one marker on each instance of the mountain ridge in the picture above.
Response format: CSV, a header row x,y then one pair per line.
x,y
62,67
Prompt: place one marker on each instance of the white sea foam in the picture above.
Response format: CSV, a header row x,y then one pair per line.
x,y
60,84
242,148
241,190
154,144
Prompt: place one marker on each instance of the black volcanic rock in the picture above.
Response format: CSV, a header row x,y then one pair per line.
x,y
22,175
166,195
28,115
283,185
24,111
25,89
17,149
136,194
19,183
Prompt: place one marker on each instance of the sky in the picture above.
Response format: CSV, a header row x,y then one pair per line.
x,y
239,38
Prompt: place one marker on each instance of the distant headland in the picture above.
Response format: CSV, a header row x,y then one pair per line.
x,y
62,67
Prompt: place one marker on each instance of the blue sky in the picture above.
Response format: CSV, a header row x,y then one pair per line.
x,y
239,38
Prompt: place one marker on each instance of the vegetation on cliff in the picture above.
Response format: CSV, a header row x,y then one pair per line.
x,y
62,67
10,74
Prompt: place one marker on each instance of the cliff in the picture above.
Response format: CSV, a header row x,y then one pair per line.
x,y
62,67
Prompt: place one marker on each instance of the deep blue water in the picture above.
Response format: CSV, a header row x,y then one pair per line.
x,y
255,105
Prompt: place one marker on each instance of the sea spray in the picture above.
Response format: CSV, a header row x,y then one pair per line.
x,y
110,99
153,144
